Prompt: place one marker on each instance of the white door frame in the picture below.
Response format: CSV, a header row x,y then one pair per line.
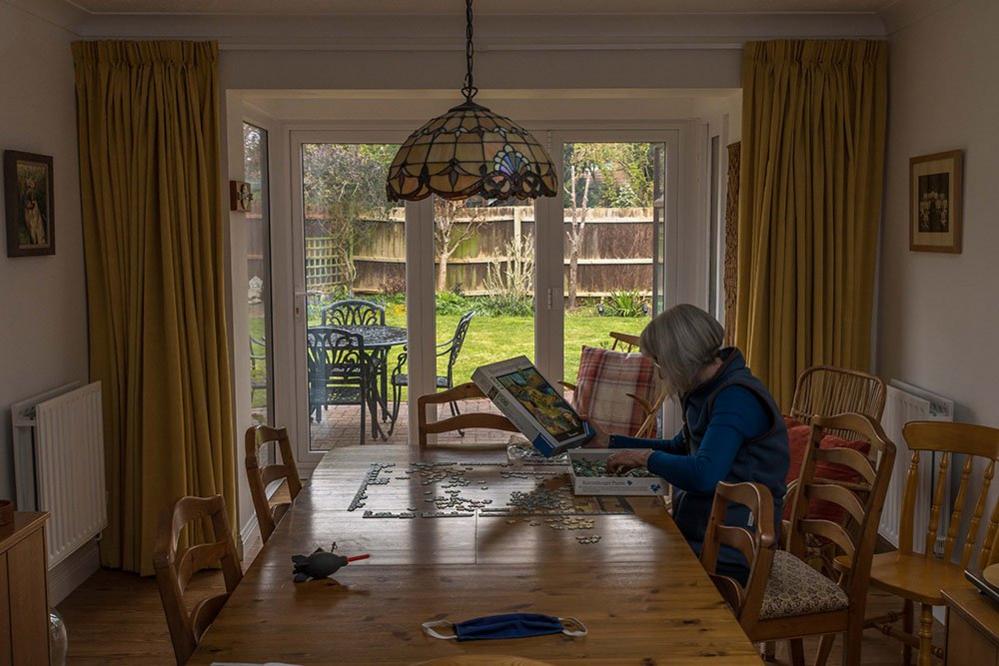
x,y
685,257
421,338
684,263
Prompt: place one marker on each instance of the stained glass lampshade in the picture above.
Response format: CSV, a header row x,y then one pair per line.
x,y
471,151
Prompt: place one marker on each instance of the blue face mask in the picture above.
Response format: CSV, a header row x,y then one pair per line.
x,y
510,625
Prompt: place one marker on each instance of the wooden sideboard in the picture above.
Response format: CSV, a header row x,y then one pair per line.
x,y
24,606
972,628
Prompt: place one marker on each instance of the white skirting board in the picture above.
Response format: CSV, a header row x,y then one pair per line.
x,y
70,573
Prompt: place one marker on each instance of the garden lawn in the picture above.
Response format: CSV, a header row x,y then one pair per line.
x,y
495,338
498,337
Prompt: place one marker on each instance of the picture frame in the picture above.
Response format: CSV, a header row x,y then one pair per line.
x,y
29,197
936,202
240,196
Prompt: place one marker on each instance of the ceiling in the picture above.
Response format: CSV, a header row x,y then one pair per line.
x,y
333,7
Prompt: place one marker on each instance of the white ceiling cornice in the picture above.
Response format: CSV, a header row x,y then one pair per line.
x,y
499,32
902,13
61,13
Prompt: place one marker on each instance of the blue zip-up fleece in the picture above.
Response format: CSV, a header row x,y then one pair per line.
x,y
733,431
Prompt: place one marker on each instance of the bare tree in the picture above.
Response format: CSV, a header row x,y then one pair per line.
x,y
454,223
579,178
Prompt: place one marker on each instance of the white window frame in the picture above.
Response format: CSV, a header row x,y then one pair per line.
x,y
686,261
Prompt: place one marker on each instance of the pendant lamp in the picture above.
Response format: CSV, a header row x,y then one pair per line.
x,y
471,151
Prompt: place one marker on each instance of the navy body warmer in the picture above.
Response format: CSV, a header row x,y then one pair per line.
x,y
762,458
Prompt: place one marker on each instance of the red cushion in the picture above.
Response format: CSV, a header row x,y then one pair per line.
x,y
798,439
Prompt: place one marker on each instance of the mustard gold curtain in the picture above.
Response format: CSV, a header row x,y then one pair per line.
x,y
147,115
813,144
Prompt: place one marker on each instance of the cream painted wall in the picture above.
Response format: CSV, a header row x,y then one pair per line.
x,y
939,313
43,339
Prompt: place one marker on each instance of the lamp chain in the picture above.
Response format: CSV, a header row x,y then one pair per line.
x,y
469,89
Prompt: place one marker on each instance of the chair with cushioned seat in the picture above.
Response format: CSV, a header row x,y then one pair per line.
x,y
784,598
918,577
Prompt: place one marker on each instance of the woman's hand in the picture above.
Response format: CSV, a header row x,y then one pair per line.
x,y
627,459
600,439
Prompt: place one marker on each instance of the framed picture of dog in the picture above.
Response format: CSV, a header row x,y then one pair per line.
x,y
30,204
936,202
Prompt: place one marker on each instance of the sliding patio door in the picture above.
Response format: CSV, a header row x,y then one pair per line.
x,y
452,286
613,263
350,276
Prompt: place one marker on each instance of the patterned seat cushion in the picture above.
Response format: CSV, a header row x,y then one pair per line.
x,y
605,379
795,588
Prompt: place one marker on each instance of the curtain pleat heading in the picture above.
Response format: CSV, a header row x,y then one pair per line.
x,y
813,144
148,123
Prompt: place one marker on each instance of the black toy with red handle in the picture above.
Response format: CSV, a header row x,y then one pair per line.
x,y
321,564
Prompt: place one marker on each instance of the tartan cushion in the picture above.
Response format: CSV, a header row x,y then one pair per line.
x,y
604,381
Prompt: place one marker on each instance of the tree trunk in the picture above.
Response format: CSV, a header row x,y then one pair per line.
x,y
442,272
573,275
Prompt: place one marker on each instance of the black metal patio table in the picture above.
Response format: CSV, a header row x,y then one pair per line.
x,y
377,340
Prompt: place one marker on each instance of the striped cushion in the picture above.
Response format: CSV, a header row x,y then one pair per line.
x,y
604,381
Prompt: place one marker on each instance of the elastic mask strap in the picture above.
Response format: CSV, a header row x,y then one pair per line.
x,y
568,622
429,628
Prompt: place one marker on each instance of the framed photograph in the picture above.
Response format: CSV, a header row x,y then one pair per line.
x,y
240,196
30,203
935,202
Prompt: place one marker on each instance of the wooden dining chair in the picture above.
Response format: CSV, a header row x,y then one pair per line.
x,y
628,341
917,576
796,599
462,421
259,478
826,390
174,568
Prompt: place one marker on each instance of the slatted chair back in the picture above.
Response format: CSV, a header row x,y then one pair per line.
x,y
756,545
861,501
464,421
353,312
827,390
260,477
627,341
975,443
175,566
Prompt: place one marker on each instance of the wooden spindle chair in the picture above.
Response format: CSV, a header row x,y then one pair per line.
x,y
826,390
627,341
175,567
798,600
918,577
460,422
259,478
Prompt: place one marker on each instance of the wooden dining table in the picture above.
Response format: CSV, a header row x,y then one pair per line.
x,y
639,589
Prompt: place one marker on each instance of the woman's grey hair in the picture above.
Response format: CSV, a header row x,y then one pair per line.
x,y
682,340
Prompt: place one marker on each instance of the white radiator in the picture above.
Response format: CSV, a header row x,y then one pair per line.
x,y
908,403
59,465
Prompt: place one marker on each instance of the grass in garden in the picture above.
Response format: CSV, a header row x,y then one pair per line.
x,y
496,337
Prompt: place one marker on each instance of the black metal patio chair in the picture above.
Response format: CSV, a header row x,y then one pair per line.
x,y
341,372
353,312
451,348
